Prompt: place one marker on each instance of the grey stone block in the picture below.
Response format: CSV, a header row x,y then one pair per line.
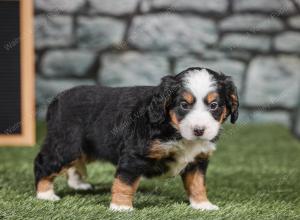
x,y
229,67
53,30
210,53
216,6
172,34
294,22
59,6
145,5
288,42
264,116
245,116
251,23
297,124
113,7
273,82
297,2
99,32
231,54
133,68
279,7
66,63
248,42
47,89
279,117
239,55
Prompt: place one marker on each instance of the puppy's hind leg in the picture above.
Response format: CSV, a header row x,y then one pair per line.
x,y
44,178
45,190
76,175
51,161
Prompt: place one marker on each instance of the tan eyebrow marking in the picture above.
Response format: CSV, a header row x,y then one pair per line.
x,y
188,97
211,97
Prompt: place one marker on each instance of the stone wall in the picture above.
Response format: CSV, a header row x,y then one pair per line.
x,y
136,42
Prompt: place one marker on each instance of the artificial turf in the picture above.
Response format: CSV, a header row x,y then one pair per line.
x,y
254,174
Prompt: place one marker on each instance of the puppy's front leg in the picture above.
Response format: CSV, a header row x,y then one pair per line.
x,y
123,193
194,184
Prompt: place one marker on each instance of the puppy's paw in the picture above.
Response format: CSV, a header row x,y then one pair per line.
x,y
80,185
204,206
120,208
48,195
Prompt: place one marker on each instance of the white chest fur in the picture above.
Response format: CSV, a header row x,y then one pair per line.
x,y
185,152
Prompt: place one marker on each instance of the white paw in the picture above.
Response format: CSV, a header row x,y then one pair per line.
x,y
48,195
80,185
204,206
120,208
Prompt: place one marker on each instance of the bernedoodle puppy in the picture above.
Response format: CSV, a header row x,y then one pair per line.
x,y
146,131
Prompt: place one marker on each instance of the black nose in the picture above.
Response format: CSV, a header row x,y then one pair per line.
x,y
198,131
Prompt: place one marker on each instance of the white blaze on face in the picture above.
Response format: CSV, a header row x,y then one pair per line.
x,y
200,84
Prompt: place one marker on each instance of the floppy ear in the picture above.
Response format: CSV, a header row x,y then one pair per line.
x,y
232,100
161,99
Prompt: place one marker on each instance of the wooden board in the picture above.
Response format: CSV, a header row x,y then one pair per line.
x,y
17,113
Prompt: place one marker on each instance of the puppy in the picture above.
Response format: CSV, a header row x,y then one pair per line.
x,y
146,131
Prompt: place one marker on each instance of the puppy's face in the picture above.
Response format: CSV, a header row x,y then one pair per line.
x,y
203,102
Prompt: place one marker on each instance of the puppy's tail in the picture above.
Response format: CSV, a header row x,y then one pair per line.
x,y
52,109
49,161
38,169
44,164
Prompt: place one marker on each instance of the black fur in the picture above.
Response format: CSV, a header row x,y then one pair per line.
x,y
116,125
200,164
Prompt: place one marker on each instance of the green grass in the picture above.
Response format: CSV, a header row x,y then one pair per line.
x,y
254,174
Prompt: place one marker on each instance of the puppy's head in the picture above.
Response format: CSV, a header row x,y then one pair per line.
x,y
196,102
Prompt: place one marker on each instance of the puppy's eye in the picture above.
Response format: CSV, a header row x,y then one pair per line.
x,y
184,105
213,106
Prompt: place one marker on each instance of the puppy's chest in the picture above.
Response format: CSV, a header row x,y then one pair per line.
x,y
182,153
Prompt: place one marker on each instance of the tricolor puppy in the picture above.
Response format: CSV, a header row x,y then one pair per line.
x,y
146,131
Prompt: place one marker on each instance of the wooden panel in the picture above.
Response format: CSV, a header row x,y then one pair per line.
x,y
17,113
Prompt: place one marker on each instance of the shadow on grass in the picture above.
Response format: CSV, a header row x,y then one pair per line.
x,y
145,196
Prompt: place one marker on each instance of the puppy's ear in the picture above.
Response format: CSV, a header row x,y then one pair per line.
x,y
162,98
232,99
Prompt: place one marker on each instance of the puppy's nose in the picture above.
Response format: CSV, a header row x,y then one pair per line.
x,y
198,131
